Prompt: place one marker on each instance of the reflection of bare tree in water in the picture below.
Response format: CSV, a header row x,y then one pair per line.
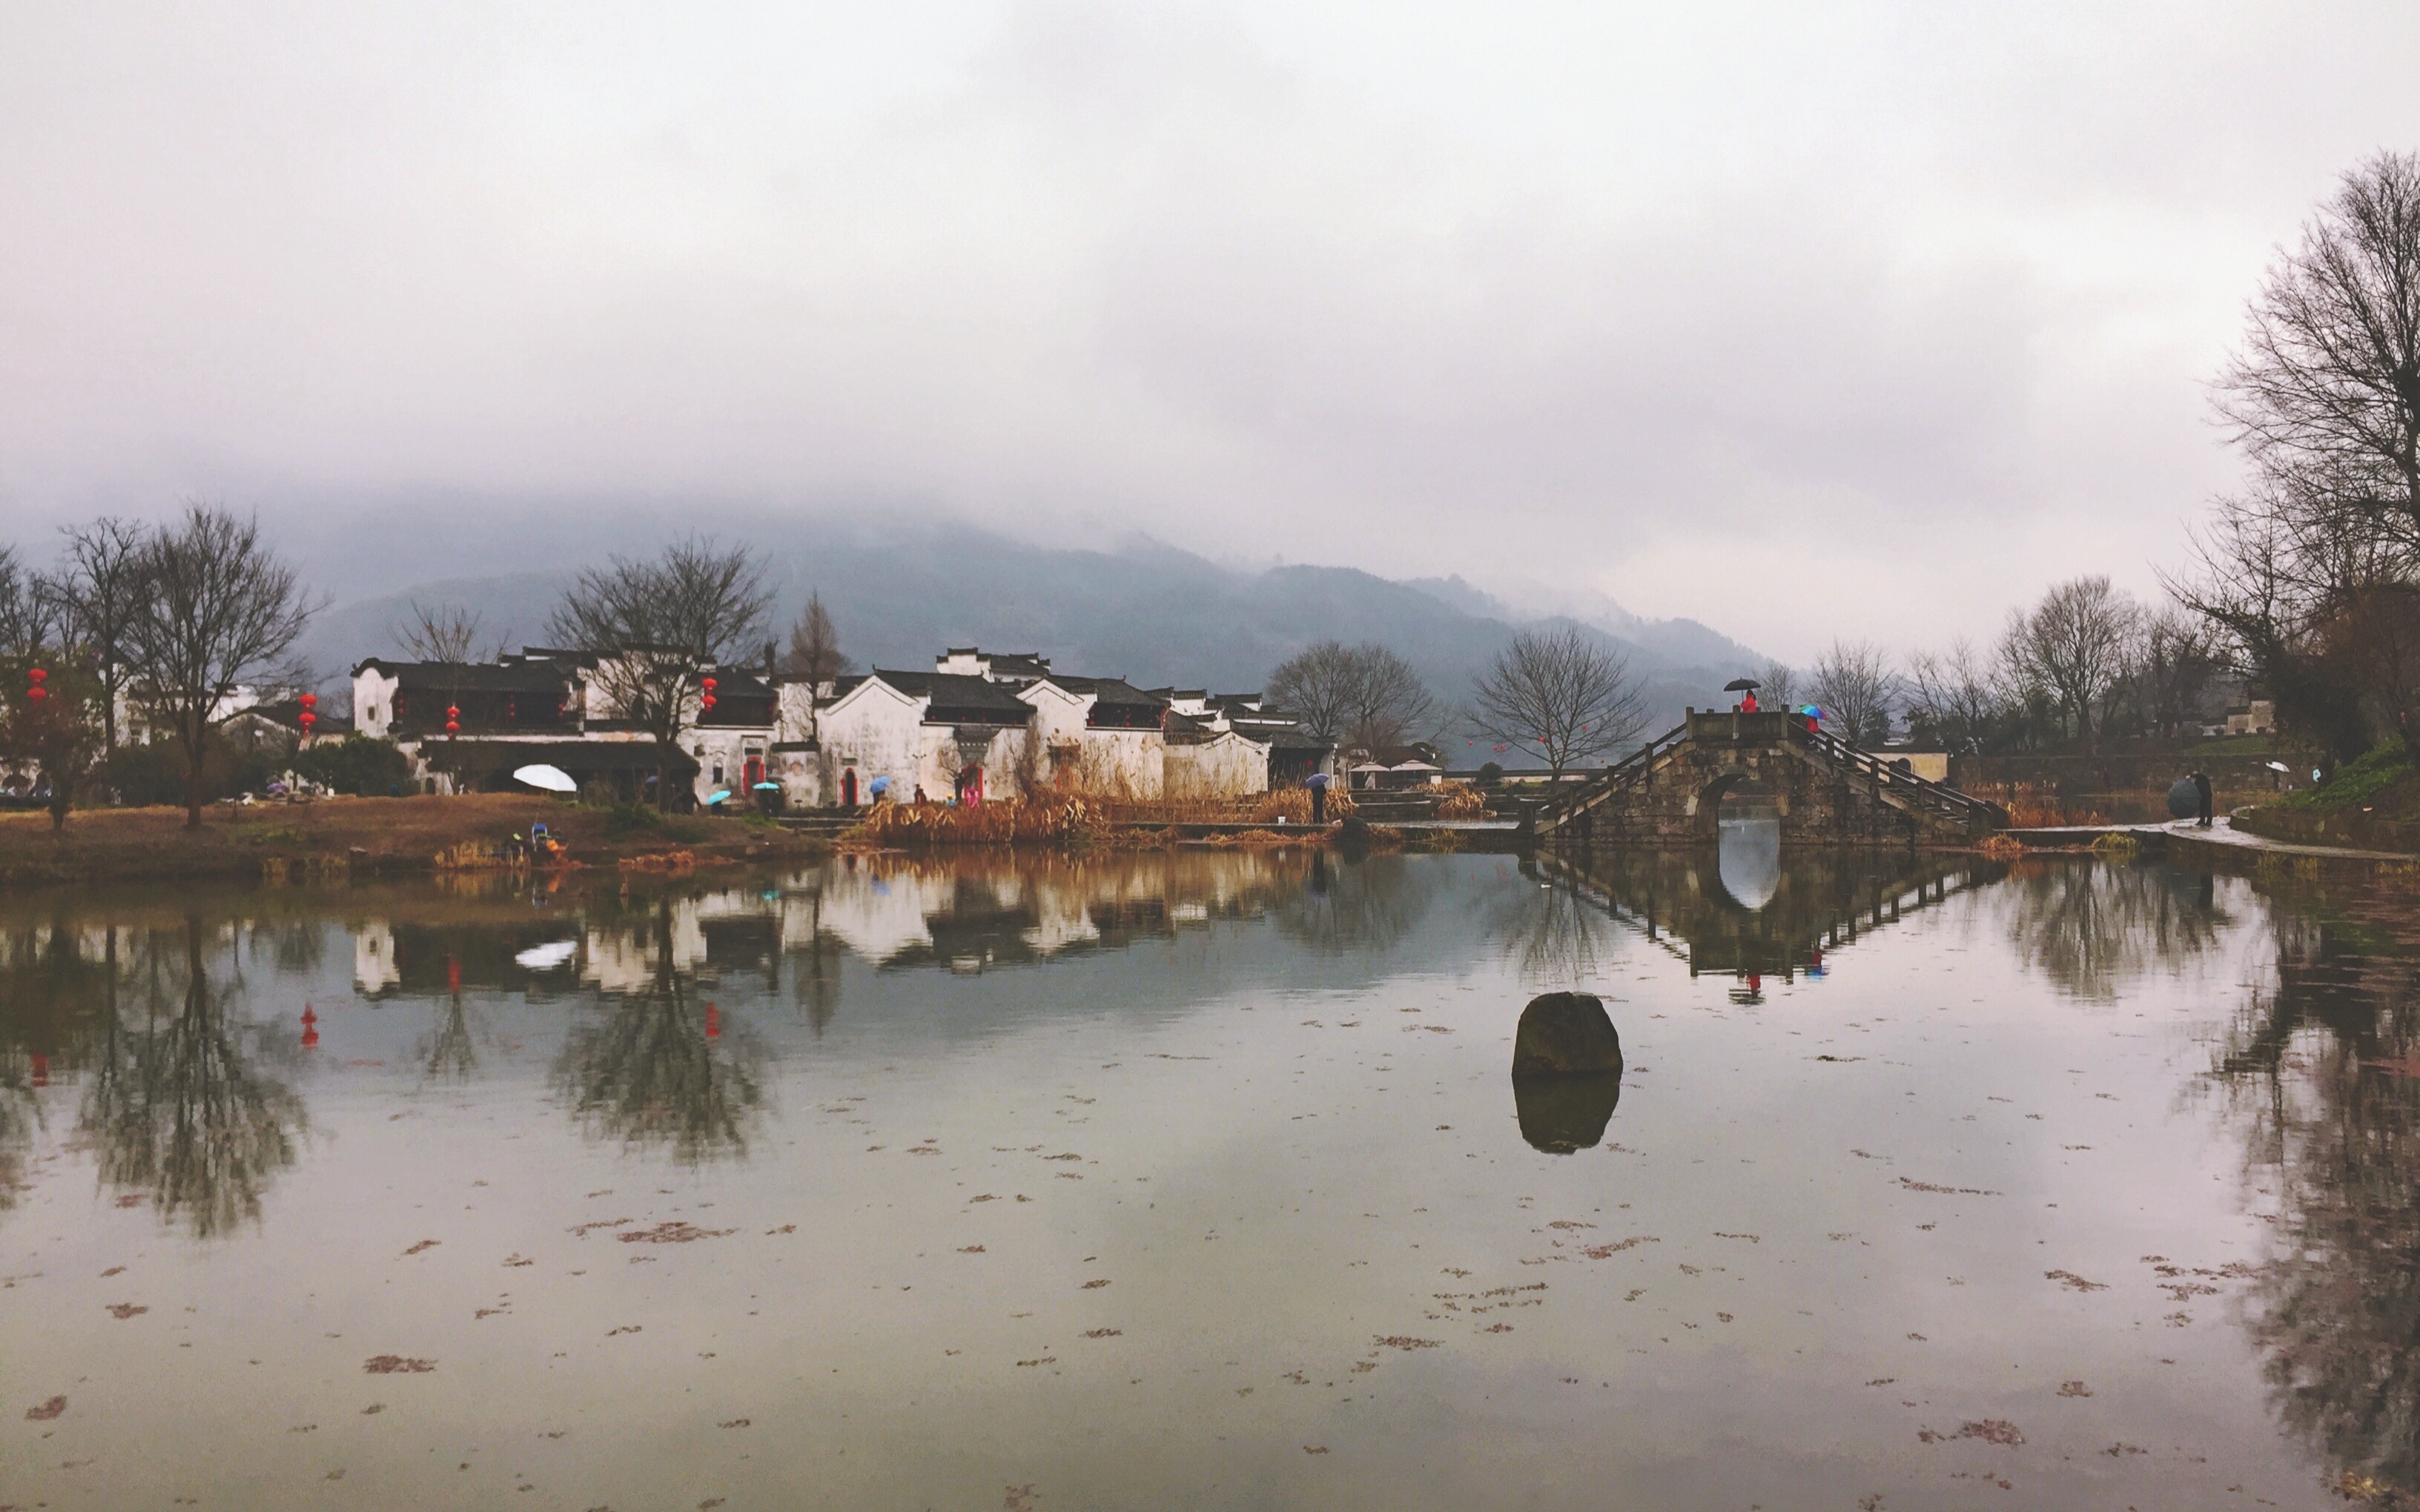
x,y
20,1115
1554,936
54,997
449,1053
2322,1073
174,1104
1366,906
2092,927
644,1069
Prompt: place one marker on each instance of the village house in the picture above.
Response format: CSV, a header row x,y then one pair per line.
x,y
556,707
1002,725
979,726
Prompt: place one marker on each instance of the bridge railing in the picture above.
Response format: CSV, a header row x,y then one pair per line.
x,y
1560,809
1940,797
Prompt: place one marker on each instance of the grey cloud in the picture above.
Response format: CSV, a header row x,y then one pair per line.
x,y
1866,321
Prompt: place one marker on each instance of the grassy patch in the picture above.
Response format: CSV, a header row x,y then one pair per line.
x,y
2386,764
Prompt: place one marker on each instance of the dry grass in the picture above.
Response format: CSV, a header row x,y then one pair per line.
x,y
1058,818
2002,848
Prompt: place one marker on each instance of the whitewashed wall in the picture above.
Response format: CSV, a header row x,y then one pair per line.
x,y
1227,766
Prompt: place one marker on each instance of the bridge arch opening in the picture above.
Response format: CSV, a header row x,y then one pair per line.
x,y
1747,816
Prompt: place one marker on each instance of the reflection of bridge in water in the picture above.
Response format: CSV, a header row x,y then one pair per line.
x,y
1816,901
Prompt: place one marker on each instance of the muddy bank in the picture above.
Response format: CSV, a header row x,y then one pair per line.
x,y
377,836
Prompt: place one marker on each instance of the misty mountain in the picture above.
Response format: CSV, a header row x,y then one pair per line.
x,y
1145,611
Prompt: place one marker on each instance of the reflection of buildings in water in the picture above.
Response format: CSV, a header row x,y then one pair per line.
x,y
971,912
2320,1068
1820,901
374,973
177,1106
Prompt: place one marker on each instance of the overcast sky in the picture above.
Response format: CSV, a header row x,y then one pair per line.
x,y
1802,321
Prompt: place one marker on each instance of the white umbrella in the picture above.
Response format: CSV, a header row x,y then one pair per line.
x,y
552,779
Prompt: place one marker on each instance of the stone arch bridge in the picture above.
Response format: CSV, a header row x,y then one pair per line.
x,y
1823,791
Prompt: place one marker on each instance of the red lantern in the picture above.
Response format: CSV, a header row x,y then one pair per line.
x,y
452,725
713,1021
310,1027
308,701
36,676
708,683
37,693
706,702
452,713
309,718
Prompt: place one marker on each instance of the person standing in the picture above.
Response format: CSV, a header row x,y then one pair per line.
x,y
2201,800
1318,785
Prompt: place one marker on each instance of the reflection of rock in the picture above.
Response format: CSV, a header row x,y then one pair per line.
x,y
1561,1115
1565,1034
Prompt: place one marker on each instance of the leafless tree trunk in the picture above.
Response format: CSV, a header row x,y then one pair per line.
x,y
217,607
814,646
1562,694
99,589
1852,684
2077,644
657,628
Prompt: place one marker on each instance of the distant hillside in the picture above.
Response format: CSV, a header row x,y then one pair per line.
x,y
1150,613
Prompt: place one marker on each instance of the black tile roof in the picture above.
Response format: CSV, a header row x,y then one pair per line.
x,y
478,677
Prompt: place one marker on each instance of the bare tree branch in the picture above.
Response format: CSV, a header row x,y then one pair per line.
x,y
1560,694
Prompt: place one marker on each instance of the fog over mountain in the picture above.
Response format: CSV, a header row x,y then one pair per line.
x,y
1139,609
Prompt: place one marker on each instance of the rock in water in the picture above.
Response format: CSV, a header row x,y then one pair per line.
x,y
1565,1034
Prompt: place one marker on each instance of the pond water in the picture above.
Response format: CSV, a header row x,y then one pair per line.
x,y
1200,1180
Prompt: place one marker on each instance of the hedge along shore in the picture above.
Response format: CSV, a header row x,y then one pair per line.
x,y
341,837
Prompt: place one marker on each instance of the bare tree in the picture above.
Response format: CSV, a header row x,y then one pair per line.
x,y
2177,656
1778,683
658,627
1956,694
2077,643
217,607
1389,702
1560,694
814,646
1318,684
2324,398
1853,684
98,589
2329,378
446,633
27,621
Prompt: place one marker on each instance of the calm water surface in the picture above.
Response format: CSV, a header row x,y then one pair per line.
x,y
1200,1180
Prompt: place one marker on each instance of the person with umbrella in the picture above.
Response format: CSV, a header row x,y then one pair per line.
x,y
1747,687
